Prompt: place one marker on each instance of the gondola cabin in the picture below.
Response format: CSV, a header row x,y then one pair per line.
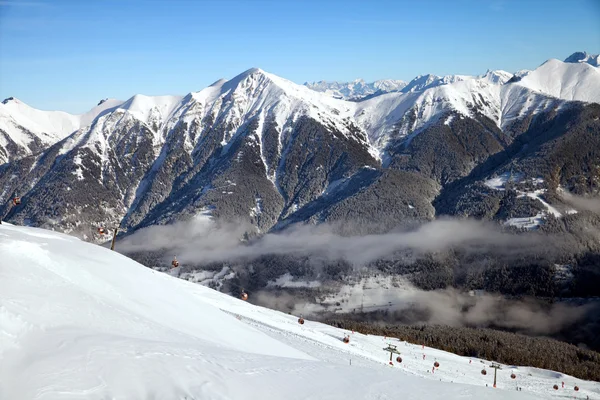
x,y
576,388
555,387
101,231
346,339
301,321
483,372
175,263
399,359
512,376
16,200
436,364
244,296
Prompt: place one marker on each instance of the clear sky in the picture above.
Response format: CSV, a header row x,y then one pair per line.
x,y
67,55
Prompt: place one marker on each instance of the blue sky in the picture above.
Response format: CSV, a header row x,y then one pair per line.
x,y
67,55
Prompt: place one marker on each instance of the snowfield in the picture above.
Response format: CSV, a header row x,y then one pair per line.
x,y
565,80
78,321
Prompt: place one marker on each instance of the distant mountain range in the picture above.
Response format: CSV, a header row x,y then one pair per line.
x,y
357,89
265,150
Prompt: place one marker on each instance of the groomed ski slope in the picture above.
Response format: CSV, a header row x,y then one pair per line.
x,y
78,321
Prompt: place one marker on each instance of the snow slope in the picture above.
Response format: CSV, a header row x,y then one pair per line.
x,y
565,80
81,322
24,125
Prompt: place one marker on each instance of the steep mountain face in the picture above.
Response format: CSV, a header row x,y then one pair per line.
x,y
263,150
557,151
255,148
87,179
357,89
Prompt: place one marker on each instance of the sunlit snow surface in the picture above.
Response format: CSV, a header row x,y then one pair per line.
x,y
78,321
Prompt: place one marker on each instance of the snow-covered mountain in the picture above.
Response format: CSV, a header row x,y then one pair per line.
x,y
356,89
392,117
423,82
25,130
270,152
248,134
359,90
82,322
565,80
584,57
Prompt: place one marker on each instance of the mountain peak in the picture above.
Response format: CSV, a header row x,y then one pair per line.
x,y
252,72
10,99
497,76
584,57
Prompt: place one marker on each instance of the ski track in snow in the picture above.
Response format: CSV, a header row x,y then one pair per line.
x,y
81,322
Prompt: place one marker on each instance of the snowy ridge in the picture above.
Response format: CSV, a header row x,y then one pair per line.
x,y
151,109
355,89
565,80
405,110
423,82
384,116
244,97
256,94
82,322
24,125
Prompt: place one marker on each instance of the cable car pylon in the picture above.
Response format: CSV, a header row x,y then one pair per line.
x,y
393,350
496,368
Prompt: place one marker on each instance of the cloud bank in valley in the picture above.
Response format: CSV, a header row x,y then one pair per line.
x,y
202,241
